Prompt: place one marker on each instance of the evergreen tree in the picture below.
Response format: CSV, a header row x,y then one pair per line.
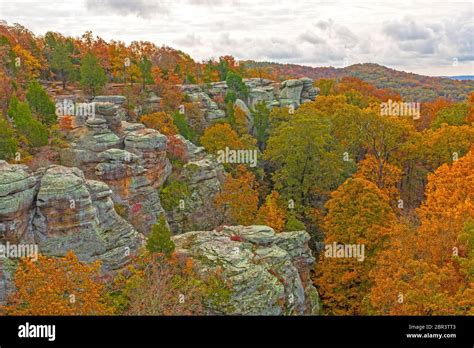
x,y
92,75
236,89
8,142
35,132
182,124
41,104
260,120
61,63
159,240
145,69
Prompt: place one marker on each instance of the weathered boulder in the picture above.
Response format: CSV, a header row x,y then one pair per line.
x,y
113,99
75,214
87,143
59,210
150,146
209,108
18,188
291,89
242,106
268,272
113,113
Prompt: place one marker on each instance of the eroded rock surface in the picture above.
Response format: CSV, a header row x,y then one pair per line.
x,y
268,271
130,158
59,210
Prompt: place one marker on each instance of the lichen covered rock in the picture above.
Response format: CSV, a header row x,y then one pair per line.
x,y
17,191
268,273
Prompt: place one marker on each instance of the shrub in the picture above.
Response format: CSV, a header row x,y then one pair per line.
x,y
172,193
159,240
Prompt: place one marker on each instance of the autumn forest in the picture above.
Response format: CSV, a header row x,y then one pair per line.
x,y
150,183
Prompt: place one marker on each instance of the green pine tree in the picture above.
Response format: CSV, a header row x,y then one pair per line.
x,y
8,142
261,123
61,63
159,240
33,130
92,75
236,88
41,104
294,224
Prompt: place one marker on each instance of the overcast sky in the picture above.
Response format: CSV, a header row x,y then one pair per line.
x,y
426,37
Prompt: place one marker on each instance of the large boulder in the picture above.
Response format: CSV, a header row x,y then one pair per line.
x,y
86,144
56,210
18,188
75,214
268,272
150,146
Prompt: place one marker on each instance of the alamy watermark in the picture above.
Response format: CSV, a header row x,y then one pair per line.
x,y
398,108
237,156
81,110
16,251
337,250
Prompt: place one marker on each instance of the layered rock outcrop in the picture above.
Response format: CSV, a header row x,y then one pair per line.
x,y
18,188
130,158
202,176
268,272
274,94
59,210
210,109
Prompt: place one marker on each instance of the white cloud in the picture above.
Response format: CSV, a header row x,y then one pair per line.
x,y
419,36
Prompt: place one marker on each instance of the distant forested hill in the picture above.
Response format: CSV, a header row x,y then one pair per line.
x,y
412,87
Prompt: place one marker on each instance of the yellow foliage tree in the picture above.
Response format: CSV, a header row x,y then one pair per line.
x,y
358,215
220,136
271,212
161,121
57,286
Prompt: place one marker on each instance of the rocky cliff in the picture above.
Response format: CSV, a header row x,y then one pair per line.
x,y
58,209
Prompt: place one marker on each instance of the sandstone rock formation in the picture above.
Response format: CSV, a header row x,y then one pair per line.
x,y
58,210
202,175
130,158
268,271
18,188
209,108
290,92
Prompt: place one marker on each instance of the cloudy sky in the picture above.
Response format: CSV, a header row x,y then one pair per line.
x,y
426,37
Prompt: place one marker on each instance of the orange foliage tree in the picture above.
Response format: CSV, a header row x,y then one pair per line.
x,y
358,214
385,175
161,121
57,286
430,269
238,199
